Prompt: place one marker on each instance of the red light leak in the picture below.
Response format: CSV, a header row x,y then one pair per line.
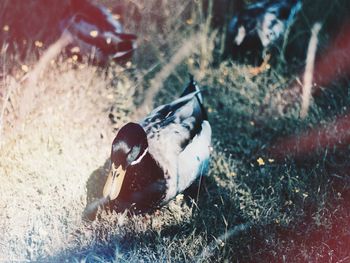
x,y
335,63
335,134
325,244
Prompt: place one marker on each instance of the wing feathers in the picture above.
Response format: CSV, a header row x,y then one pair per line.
x,y
178,139
191,162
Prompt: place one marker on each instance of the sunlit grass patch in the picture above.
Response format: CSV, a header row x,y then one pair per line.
x,y
48,154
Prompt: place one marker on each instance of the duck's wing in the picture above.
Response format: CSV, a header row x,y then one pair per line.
x,y
263,18
287,10
186,112
244,24
276,19
179,131
95,26
111,43
193,161
95,14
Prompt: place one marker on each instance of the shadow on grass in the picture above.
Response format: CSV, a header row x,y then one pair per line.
x,y
152,244
96,181
94,186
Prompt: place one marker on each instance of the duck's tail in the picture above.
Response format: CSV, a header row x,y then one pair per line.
x,y
126,46
192,87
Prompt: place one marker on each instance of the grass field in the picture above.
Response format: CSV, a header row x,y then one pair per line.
x,y
56,136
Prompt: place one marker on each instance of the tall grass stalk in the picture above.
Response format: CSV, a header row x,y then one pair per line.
x,y
309,70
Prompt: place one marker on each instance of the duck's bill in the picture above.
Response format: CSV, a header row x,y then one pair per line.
x,y
114,182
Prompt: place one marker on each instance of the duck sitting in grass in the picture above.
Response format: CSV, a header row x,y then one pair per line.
x,y
95,30
260,25
160,156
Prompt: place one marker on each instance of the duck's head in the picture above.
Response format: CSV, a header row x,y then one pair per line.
x,y
128,148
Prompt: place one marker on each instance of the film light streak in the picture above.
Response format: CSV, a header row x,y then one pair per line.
x,y
335,63
336,60
335,134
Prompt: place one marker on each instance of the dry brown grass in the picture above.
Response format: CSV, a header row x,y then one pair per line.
x,y
309,70
56,133
47,158
54,157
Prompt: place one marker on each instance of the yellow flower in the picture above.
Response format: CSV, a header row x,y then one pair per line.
x,y
260,161
271,160
94,33
233,174
38,43
25,68
189,21
128,64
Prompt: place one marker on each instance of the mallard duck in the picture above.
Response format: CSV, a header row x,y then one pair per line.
x,y
93,28
261,24
160,156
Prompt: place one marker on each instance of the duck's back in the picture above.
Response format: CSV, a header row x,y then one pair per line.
x,y
179,137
